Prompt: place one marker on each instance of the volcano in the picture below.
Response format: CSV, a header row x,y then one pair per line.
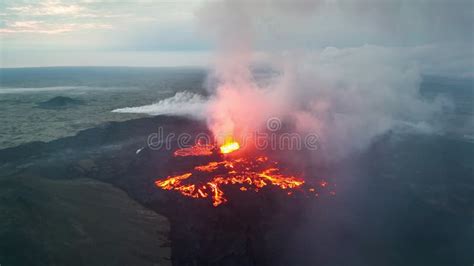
x,y
374,219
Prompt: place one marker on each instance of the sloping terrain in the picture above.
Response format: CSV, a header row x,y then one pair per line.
x,y
407,200
77,222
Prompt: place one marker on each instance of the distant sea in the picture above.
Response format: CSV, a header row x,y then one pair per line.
x,y
104,89
100,89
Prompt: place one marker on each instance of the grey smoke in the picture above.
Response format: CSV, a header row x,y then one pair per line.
x,y
348,96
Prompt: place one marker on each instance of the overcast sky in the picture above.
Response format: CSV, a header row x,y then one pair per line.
x,y
171,33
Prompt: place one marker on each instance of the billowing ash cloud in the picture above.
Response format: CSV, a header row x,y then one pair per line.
x,y
348,96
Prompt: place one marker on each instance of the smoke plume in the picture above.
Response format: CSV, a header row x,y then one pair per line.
x,y
182,103
347,96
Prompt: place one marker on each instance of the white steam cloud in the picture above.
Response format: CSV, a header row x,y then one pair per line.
x,y
348,96
182,103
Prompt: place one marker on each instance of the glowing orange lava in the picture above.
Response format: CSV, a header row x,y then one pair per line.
x,y
229,146
196,150
248,174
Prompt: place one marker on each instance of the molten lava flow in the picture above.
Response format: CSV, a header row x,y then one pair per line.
x,y
196,150
173,181
248,174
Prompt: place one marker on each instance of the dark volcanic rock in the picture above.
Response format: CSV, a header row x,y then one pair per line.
x,y
77,222
60,102
391,207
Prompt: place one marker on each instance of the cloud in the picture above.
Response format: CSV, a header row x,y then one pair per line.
x,y
49,17
57,16
48,8
41,27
